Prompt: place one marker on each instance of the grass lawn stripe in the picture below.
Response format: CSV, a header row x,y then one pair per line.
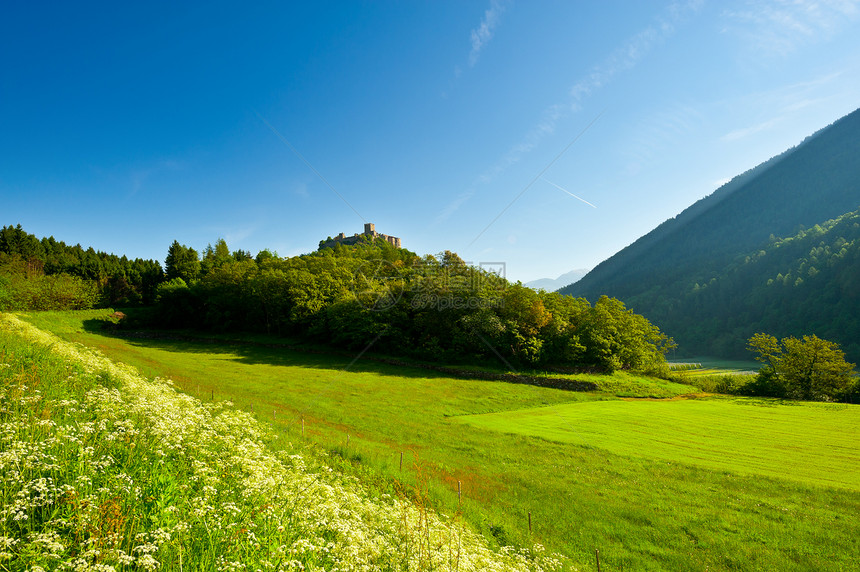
x,y
812,444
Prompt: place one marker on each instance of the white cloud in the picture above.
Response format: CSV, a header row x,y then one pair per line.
x,y
454,205
771,28
623,58
656,135
484,32
630,53
301,190
783,103
236,236
751,130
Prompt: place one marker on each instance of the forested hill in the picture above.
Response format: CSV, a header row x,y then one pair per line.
x,y
803,284
814,182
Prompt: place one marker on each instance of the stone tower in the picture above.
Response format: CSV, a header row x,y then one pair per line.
x,y
369,230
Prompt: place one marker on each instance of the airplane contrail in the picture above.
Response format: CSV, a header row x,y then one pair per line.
x,y
568,192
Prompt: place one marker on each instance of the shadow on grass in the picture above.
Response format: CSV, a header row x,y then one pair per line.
x,y
250,351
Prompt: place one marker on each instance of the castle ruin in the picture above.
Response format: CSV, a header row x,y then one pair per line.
x,y
369,230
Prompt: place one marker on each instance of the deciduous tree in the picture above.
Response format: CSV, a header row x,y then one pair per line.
x,y
811,369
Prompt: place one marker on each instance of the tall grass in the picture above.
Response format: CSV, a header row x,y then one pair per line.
x,y
101,469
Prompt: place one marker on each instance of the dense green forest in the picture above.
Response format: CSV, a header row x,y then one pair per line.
x,y
802,284
430,307
47,274
366,295
710,242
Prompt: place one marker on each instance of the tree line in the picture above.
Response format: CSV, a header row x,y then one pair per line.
x,y
430,307
48,274
358,296
434,308
808,369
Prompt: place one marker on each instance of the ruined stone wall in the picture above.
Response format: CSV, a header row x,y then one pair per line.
x,y
369,230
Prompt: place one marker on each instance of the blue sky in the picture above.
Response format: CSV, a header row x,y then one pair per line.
x,y
545,135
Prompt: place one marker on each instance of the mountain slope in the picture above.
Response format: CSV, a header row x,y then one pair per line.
x,y
806,283
816,181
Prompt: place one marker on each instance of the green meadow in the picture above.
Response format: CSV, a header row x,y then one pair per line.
x,y
676,484
810,443
104,470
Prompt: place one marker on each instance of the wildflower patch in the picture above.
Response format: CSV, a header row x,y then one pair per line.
x,y
102,469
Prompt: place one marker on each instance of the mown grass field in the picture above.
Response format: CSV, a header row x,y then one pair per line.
x,y
814,444
644,505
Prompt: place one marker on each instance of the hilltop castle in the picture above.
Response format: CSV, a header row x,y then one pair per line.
x,y
369,230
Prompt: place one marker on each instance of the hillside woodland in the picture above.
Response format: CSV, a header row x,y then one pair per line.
x,y
773,250
805,283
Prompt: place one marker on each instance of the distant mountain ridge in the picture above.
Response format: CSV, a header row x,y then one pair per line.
x,y
551,285
816,181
